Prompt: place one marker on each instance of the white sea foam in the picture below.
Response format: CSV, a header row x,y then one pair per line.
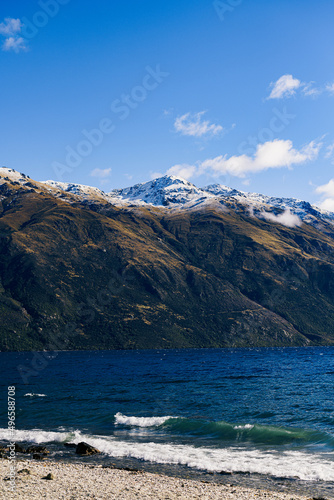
x,y
31,394
293,463
38,436
243,427
140,421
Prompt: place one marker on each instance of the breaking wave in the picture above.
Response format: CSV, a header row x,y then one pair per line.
x,y
140,421
289,464
236,433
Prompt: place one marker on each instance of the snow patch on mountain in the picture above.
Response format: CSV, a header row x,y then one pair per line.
x,y
164,191
77,189
13,175
259,202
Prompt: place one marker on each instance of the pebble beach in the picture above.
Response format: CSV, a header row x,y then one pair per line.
x,y
37,480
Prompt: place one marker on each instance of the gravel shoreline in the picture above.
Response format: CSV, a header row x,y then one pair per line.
x,y
84,481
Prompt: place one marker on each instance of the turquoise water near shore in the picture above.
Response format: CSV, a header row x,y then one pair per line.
x,y
265,413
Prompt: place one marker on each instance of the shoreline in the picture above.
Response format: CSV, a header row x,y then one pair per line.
x,y
82,481
91,349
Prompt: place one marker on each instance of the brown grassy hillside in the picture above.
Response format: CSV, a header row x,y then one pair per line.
x,y
95,276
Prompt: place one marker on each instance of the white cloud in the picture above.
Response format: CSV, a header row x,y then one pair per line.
x,y
327,204
285,86
185,171
14,43
11,29
286,218
192,124
327,190
329,151
101,174
309,90
271,154
330,88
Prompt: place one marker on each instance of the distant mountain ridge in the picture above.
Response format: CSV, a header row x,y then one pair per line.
x,y
161,264
175,192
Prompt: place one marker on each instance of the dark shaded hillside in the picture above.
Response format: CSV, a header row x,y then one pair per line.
x,y
108,278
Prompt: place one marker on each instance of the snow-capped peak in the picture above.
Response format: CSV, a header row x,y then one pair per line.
x,y
163,191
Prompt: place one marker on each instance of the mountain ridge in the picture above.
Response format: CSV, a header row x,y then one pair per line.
x,y
175,192
210,274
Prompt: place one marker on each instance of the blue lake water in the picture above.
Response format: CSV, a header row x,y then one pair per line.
x,y
266,415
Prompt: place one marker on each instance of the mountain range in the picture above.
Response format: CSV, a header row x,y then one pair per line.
x,y
161,264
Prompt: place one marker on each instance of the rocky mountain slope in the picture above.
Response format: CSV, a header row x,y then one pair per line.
x,y
162,264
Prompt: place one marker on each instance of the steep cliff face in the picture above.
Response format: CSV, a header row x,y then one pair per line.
x,y
77,272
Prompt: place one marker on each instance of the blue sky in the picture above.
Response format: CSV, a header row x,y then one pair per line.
x,y
111,93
